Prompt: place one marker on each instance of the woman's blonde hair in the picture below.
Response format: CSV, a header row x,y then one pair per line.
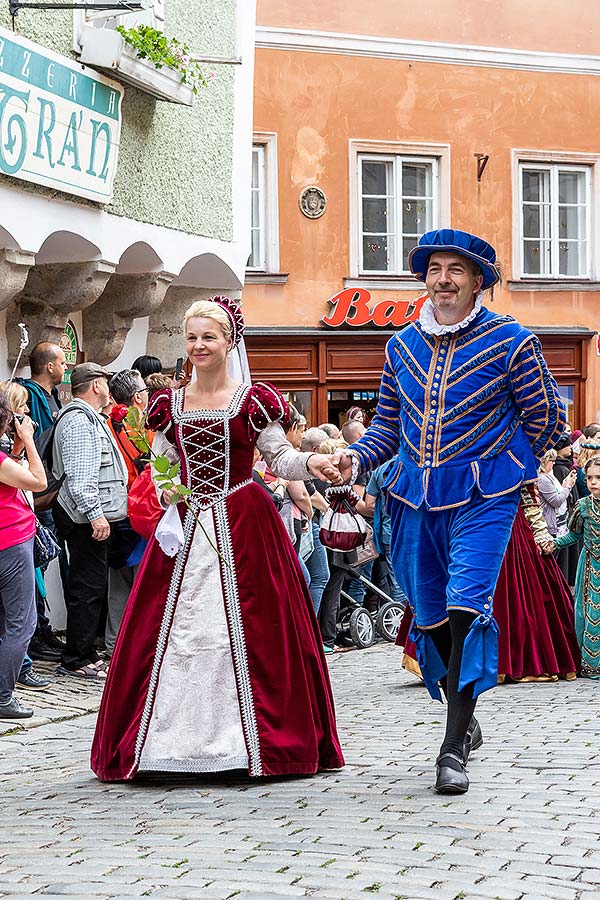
x,y
331,445
15,393
549,454
206,309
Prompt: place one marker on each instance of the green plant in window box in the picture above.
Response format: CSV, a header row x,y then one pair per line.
x,y
155,46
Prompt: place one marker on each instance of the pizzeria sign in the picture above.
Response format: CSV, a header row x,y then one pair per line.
x,y
60,122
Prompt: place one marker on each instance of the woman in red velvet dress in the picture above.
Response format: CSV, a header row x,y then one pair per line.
x,y
219,663
532,605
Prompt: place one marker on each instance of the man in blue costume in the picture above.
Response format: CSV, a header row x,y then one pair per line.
x,y
467,407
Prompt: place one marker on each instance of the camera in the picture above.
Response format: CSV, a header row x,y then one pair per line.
x,y
21,418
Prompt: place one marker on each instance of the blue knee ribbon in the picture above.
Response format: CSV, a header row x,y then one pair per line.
x,y
430,661
479,665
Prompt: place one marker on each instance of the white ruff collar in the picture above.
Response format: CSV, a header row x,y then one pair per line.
x,y
430,324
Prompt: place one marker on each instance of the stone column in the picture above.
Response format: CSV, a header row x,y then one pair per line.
x,y
125,297
52,292
14,269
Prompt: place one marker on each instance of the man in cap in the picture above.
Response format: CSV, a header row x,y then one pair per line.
x,y
92,495
467,406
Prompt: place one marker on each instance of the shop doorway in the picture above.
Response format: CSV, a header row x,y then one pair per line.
x,y
339,402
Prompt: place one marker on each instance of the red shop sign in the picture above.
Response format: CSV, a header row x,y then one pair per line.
x,y
351,307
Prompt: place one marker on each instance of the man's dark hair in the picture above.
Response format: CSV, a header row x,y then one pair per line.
x,y
42,354
6,413
147,365
124,385
591,430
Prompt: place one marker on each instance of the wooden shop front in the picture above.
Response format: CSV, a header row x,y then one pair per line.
x,y
324,371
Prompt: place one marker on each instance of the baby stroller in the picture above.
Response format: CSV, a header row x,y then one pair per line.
x,y
360,626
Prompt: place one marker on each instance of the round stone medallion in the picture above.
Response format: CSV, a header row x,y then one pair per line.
x,y
313,202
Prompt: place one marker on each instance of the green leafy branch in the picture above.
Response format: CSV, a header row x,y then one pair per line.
x,y
166,473
154,45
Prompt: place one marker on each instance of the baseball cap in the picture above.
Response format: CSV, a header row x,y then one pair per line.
x,y
87,372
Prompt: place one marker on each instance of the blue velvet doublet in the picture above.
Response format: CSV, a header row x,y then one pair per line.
x,y
466,416
470,410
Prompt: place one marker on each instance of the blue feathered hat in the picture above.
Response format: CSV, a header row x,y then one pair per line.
x,y
452,241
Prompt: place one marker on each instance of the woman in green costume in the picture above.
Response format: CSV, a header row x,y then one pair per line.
x,y
585,520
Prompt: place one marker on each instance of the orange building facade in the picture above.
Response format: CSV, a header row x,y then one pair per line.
x,y
374,124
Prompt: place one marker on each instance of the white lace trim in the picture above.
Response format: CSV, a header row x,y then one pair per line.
x,y
163,636
235,404
205,765
238,640
430,324
196,710
238,650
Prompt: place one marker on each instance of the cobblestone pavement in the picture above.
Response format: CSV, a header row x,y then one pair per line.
x,y
66,698
529,828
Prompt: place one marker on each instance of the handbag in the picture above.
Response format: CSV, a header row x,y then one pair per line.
x,y
143,506
368,552
45,546
342,528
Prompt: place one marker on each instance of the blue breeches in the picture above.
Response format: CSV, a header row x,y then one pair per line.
x,y
450,559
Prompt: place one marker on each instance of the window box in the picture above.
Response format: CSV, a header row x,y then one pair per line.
x,y
105,49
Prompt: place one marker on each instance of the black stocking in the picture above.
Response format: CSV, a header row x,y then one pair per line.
x,y
449,640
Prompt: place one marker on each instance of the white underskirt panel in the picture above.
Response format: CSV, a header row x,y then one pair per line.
x,y
196,724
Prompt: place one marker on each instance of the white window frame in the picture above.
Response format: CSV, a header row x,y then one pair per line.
x,y
554,161
266,142
398,152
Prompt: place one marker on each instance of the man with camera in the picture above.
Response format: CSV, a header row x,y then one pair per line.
x,y
92,495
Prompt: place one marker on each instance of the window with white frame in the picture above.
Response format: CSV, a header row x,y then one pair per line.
x,y
555,204
264,216
398,200
258,226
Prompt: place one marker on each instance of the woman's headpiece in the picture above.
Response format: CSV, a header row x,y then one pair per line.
x,y
234,312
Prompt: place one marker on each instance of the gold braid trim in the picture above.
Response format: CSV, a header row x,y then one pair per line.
x,y
530,504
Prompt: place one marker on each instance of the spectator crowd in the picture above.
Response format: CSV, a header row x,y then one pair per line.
x,y
75,469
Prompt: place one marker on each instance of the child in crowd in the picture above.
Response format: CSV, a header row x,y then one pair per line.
x,y
585,520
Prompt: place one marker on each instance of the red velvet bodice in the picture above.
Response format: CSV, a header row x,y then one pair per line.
x,y
216,446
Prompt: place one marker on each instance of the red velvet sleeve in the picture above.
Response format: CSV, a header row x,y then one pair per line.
x,y
265,405
159,412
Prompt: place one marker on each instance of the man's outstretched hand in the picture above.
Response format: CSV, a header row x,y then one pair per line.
x,y
324,467
343,461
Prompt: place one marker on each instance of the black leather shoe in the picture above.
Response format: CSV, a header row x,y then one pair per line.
x,y
451,776
52,640
14,710
40,650
473,738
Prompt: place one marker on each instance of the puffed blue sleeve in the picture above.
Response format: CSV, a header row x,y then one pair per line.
x,y
536,395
